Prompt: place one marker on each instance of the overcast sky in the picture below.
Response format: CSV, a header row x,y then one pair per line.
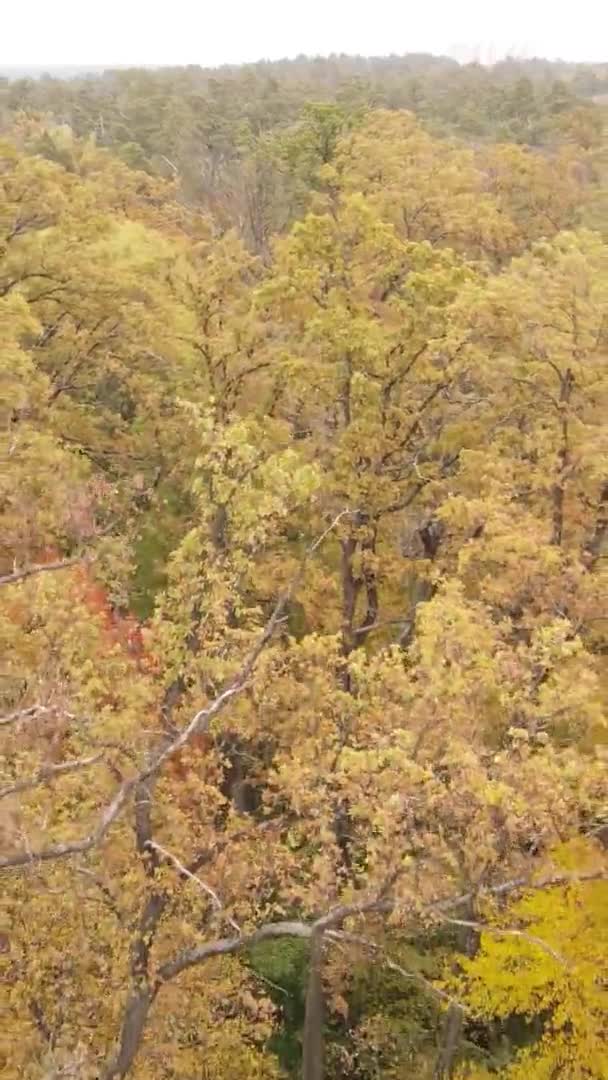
x,y
211,32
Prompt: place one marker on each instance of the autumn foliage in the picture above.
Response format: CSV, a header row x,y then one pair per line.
x,y
303,624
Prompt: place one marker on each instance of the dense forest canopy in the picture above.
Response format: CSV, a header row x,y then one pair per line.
x,y
246,142
303,572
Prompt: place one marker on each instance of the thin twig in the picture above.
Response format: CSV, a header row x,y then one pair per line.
x,y
392,965
215,900
508,931
104,890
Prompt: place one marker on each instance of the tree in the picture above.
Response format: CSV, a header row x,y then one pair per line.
x,y
366,707
429,189
548,966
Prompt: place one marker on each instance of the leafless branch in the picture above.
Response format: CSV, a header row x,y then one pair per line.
x,y
105,892
508,931
392,965
519,884
48,773
75,847
381,625
171,165
379,903
269,982
202,885
23,714
226,946
39,568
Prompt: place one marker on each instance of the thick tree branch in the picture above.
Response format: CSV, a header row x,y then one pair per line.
x,y
290,928
141,992
228,946
596,541
313,1043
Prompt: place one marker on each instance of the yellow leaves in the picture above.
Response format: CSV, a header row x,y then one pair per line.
x,y
513,973
429,189
16,320
425,711
455,643
538,195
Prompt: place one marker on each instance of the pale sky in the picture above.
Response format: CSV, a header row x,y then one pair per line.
x,y
210,32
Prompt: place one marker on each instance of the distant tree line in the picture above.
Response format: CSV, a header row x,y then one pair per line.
x,y
245,142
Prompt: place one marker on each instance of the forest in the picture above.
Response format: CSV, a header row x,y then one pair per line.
x,y
303,572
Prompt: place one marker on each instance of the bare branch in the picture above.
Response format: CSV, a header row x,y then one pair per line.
x,y
75,847
485,928
23,714
520,884
39,568
106,894
48,773
383,624
226,946
334,917
269,982
358,939
202,885
171,165
377,905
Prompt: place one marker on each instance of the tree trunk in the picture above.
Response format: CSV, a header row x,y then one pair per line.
x,y
563,457
454,1018
596,541
450,1041
313,1049
133,1025
141,993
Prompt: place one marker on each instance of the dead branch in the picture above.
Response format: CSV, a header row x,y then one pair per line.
x,y
392,965
202,885
23,714
39,568
48,773
508,931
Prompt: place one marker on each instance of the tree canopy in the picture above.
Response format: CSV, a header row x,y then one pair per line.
x,y
303,579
